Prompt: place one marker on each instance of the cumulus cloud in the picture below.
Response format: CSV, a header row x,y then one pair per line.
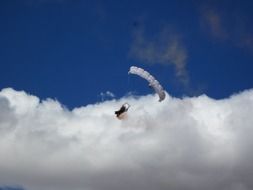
x,y
190,143
165,48
106,94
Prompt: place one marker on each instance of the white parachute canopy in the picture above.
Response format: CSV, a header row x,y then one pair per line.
x,y
152,81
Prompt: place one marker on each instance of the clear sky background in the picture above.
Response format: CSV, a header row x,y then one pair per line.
x,y
73,50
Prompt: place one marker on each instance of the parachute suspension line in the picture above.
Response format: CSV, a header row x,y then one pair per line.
x,y
128,84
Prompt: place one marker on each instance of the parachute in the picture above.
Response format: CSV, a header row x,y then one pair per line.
x,y
152,81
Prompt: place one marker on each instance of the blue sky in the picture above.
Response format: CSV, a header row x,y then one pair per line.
x,y
72,50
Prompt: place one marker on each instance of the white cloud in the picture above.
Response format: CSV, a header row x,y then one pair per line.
x,y
106,94
164,48
191,143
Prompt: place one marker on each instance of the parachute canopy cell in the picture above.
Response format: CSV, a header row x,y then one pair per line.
x,y
152,81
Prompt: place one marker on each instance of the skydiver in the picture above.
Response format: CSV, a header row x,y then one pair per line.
x,y
122,110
